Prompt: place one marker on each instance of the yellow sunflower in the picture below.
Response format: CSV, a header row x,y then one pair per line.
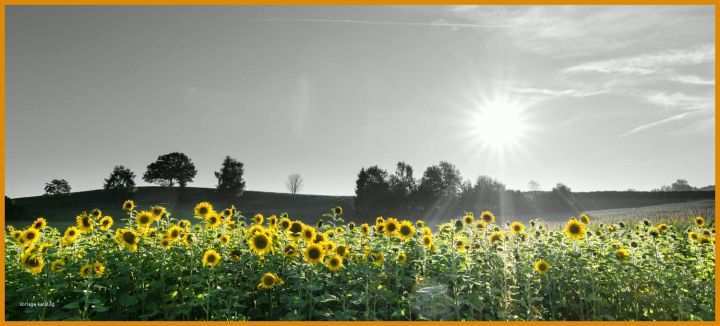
x,y
376,257
541,266
165,243
699,220
308,233
379,220
574,229
365,229
584,218
427,241
622,253
57,266
71,233
174,232
488,217
334,263
96,213
258,219
211,258
406,230
212,220
32,262
158,212
269,280
295,230
290,250
144,218
39,223
284,223
420,224
224,239
106,223
693,236
30,236
84,223
272,221
202,209
314,253
342,251
496,237
517,227
468,218
402,258
127,238
260,244
391,226
128,205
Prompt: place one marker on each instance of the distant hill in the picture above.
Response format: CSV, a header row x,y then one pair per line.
x,y
61,210
179,201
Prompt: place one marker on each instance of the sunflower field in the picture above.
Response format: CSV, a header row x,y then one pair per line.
x,y
221,265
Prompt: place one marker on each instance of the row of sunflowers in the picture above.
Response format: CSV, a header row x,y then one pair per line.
x,y
221,265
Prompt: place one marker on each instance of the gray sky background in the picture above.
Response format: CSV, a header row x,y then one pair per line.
x,y
612,97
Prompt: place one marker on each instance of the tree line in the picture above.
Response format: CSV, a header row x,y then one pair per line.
x,y
441,192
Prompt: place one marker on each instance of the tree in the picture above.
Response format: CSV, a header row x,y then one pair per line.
x,y
533,185
681,185
57,187
294,183
372,190
171,168
451,178
120,179
431,185
230,176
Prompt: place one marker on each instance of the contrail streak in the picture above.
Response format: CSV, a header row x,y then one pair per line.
x,y
381,22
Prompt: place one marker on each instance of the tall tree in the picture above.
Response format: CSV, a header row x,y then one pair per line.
x,y
120,179
372,190
169,169
57,187
230,177
294,183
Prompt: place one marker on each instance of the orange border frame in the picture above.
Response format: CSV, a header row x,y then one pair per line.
x,y
4,3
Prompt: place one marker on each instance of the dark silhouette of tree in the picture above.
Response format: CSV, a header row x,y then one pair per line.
x,y
57,187
230,177
533,185
120,179
294,183
402,186
681,185
169,169
372,191
431,186
451,178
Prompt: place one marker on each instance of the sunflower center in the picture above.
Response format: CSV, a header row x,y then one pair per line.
x,y
211,258
542,267
38,225
129,237
174,233
71,233
574,229
334,262
314,253
260,242
144,219
33,262
296,227
268,280
405,230
30,235
203,210
86,222
391,227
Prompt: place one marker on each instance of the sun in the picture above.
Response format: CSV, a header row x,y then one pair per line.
x,y
498,123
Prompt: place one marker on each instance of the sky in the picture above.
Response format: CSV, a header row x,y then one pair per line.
x,y
595,97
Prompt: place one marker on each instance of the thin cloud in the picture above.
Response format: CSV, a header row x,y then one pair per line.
x,y
692,80
680,101
655,124
649,63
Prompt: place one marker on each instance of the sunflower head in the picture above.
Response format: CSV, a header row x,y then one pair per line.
x,y
406,231
32,262
57,265
468,218
39,224
622,253
211,258
269,280
496,237
106,223
365,229
158,212
379,220
128,205
144,218
202,209
420,224
84,223
334,263
284,223
574,229
662,227
258,219
314,253
174,232
308,233
488,217
541,266
402,258
391,226
584,218
272,220
290,250
30,236
338,211
699,221
517,227
127,238
427,241
260,243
